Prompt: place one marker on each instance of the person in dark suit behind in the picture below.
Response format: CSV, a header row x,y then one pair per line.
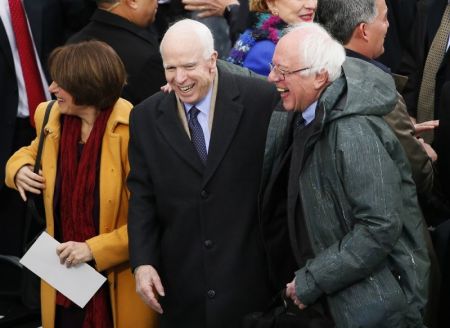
x,y
50,23
124,25
430,16
193,228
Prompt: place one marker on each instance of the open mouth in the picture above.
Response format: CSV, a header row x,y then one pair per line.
x,y
282,90
186,88
307,17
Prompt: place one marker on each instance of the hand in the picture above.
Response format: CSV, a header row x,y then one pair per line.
x,y
72,253
147,281
425,126
27,180
166,88
290,292
430,151
208,8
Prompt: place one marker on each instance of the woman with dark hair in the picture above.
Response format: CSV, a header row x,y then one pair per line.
x,y
83,180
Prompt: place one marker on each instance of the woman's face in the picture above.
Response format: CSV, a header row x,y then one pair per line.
x,y
65,100
293,11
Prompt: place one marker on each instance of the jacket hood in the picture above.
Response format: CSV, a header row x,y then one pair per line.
x,y
362,89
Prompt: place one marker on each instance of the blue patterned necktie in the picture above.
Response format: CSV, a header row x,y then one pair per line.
x,y
197,137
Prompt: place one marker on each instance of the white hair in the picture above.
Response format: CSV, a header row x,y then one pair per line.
x,y
319,50
190,26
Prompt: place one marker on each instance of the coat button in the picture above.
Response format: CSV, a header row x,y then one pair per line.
x,y
208,243
211,293
204,194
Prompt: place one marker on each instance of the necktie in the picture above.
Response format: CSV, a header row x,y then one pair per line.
x,y
425,105
31,76
197,137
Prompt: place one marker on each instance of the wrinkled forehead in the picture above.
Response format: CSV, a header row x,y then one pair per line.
x,y
181,46
287,53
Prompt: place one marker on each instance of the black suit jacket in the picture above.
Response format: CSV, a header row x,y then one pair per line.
x,y
51,21
429,16
198,224
137,47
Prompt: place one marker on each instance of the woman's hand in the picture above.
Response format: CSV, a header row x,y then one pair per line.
x,y
72,253
27,180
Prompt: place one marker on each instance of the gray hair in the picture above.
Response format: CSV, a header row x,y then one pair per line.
x,y
319,50
341,17
190,26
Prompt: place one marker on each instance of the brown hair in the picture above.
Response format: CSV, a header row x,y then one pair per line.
x,y
91,71
259,6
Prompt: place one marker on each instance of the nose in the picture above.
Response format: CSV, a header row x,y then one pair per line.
x,y
53,87
273,77
180,75
311,4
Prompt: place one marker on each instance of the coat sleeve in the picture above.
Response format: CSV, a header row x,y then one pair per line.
x,y
421,165
143,225
371,184
109,249
25,155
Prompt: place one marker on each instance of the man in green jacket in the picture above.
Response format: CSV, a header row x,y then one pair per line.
x,y
354,225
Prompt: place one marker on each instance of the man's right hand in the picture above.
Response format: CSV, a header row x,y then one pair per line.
x,y
147,281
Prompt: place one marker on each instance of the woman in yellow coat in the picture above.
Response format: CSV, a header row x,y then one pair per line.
x,y
83,180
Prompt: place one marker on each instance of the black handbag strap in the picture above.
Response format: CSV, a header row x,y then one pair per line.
x,y
32,211
37,164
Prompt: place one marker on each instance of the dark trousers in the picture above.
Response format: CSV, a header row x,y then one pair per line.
x,y
12,207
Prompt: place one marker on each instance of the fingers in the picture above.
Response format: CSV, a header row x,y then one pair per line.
x,y
29,181
22,193
73,253
425,126
148,281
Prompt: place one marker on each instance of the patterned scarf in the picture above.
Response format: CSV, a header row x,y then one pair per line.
x,y
78,179
266,27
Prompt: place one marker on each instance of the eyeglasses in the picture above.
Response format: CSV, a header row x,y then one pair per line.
x,y
282,73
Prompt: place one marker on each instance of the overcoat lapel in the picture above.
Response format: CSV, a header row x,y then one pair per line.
x,y
5,48
169,125
227,115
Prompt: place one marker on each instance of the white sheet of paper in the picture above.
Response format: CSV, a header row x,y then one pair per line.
x,y
78,283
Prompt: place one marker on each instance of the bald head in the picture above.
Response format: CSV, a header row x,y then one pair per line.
x,y
186,34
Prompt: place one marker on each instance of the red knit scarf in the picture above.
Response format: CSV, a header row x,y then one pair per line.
x,y
78,179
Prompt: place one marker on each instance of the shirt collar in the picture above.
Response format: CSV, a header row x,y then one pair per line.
x,y
310,113
203,105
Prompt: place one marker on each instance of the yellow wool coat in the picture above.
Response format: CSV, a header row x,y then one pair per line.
x,y
110,247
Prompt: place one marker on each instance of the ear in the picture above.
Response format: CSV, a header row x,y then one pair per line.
x,y
362,32
213,59
272,7
321,80
133,4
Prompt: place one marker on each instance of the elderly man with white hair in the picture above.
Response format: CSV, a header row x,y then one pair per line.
x,y
196,156
353,221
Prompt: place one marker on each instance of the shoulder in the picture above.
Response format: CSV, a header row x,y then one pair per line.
x,y
260,56
152,105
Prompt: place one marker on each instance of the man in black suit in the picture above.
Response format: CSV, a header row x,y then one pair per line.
x,y
193,228
431,20
124,25
50,22
430,15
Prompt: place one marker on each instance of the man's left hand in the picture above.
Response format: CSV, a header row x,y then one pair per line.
x,y
290,292
208,8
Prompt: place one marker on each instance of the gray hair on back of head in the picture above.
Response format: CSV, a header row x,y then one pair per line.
x,y
319,50
189,26
341,17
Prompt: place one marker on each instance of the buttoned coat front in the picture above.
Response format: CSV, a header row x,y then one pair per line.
x,y
110,247
197,225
